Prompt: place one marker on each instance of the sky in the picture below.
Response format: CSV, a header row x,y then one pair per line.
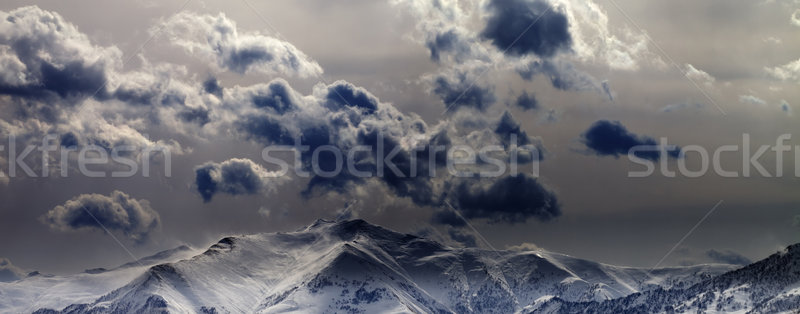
x,y
197,90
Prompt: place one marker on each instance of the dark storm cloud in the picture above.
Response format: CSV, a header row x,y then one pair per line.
x,y
116,212
523,27
51,59
526,101
69,139
512,199
233,177
277,97
342,93
458,89
344,116
611,138
727,257
508,127
212,86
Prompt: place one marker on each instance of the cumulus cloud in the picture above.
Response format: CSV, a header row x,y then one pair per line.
x,y
521,27
787,72
511,199
117,212
727,257
46,57
796,18
58,81
699,76
594,40
234,177
753,100
217,36
611,138
9,272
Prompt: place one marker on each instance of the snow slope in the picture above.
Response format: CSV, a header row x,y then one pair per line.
x,y
47,291
771,285
356,267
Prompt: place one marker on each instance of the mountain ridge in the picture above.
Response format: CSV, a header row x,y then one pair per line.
x,y
357,267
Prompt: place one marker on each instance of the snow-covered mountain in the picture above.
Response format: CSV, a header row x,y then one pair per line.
x,y
771,285
350,266
38,291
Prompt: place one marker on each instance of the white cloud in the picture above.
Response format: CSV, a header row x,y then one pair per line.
x,y
596,41
753,100
217,37
699,76
796,18
787,72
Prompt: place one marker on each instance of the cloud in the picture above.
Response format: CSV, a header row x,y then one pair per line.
x,y
611,138
787,72
594,40
511,199
527,102
117,212
680,106
753,100
9,272
234,177
796,18
521,27
217,37
562,75
524,247
58,82
460,88
699,76
785,107
45,55
727,257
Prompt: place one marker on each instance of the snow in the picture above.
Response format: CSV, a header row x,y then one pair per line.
x,y
349,266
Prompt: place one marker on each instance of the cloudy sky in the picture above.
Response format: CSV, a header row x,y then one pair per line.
x,y
583,82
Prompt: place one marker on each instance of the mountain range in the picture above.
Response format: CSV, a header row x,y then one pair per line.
x,y
357,267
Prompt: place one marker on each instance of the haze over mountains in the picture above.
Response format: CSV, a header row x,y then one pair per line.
x,y
356,267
